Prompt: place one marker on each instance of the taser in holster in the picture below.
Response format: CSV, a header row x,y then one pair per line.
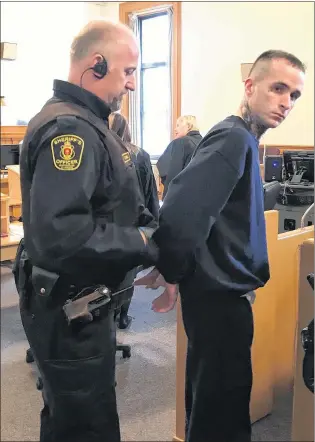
x,y
89,305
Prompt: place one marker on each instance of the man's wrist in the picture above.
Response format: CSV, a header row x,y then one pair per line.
x,y
145,240
146,233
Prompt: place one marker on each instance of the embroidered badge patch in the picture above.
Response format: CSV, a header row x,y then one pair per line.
x,y
67,152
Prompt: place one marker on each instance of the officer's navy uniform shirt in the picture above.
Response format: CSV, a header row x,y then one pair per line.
x,y
80,222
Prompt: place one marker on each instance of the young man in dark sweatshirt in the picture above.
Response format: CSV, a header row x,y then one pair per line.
x,y
212,242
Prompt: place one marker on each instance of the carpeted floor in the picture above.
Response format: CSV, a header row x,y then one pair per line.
x,y
145,383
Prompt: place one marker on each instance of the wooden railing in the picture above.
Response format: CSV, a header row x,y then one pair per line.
x,y
12,134
283,147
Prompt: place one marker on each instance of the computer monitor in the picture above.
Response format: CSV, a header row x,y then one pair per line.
x,y
271,192
299,166
9,155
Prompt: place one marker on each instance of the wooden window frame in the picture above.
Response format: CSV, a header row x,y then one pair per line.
x,y
127,8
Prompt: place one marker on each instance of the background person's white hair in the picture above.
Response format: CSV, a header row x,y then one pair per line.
x,y
190,120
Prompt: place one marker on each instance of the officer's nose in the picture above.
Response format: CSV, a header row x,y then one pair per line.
x,y
131,85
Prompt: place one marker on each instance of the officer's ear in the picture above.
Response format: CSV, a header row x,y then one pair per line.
x,y
100,66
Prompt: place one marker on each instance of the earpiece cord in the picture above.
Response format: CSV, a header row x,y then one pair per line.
x,y
81,79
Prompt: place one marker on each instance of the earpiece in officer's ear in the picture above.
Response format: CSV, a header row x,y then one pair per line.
x,y
100,68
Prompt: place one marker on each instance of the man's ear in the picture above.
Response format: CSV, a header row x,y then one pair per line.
x,y
249,87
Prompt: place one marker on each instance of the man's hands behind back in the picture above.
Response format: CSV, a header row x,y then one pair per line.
x,y
167,300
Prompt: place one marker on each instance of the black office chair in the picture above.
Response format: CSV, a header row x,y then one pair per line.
x,y
271,192
125,349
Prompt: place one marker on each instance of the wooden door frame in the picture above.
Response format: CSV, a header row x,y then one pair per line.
x,y
129,7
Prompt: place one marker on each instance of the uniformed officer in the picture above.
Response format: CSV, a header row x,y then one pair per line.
x,y
212,243
81,211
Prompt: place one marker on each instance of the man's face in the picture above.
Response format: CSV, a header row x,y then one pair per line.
x,y
181,128
272,97
120,77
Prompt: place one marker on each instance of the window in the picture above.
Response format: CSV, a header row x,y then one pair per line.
x,y
153,108
155,83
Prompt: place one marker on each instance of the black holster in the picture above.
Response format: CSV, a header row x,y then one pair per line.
x,y
29,278
22,270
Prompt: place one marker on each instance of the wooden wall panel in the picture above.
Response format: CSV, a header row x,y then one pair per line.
x,y
12,134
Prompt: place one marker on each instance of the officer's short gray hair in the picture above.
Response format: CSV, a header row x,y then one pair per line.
x,y
95,35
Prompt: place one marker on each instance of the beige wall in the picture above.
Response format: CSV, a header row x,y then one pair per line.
x,y
218,37
108,10
43,32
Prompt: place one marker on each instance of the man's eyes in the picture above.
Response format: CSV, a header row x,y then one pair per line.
x,y
279,88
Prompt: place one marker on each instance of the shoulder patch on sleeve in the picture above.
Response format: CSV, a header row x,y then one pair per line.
x,y
67,152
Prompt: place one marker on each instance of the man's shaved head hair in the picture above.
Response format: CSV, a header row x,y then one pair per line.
x,y
261,65
96,35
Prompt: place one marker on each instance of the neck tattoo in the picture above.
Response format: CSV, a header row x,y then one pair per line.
x,y
255,126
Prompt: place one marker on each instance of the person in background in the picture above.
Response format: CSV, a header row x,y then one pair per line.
x,y
119,125
213,249
179,152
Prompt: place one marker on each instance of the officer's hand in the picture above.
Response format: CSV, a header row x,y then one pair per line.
x,y
166,302
150,280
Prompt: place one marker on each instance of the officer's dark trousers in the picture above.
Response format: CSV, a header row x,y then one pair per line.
x,y
78,372
219,328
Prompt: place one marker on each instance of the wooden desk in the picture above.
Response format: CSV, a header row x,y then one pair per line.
x,y
10,243
14,186
14,182
4,214
282,147
285,283
274,319
303,399
4,184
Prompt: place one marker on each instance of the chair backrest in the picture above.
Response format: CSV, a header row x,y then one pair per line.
x,y
270,150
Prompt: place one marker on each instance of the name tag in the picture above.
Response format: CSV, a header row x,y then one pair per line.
x,y
126,158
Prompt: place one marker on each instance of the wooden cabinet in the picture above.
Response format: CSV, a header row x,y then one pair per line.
x,y
14,183
11,187
15,202
303,399
5,215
